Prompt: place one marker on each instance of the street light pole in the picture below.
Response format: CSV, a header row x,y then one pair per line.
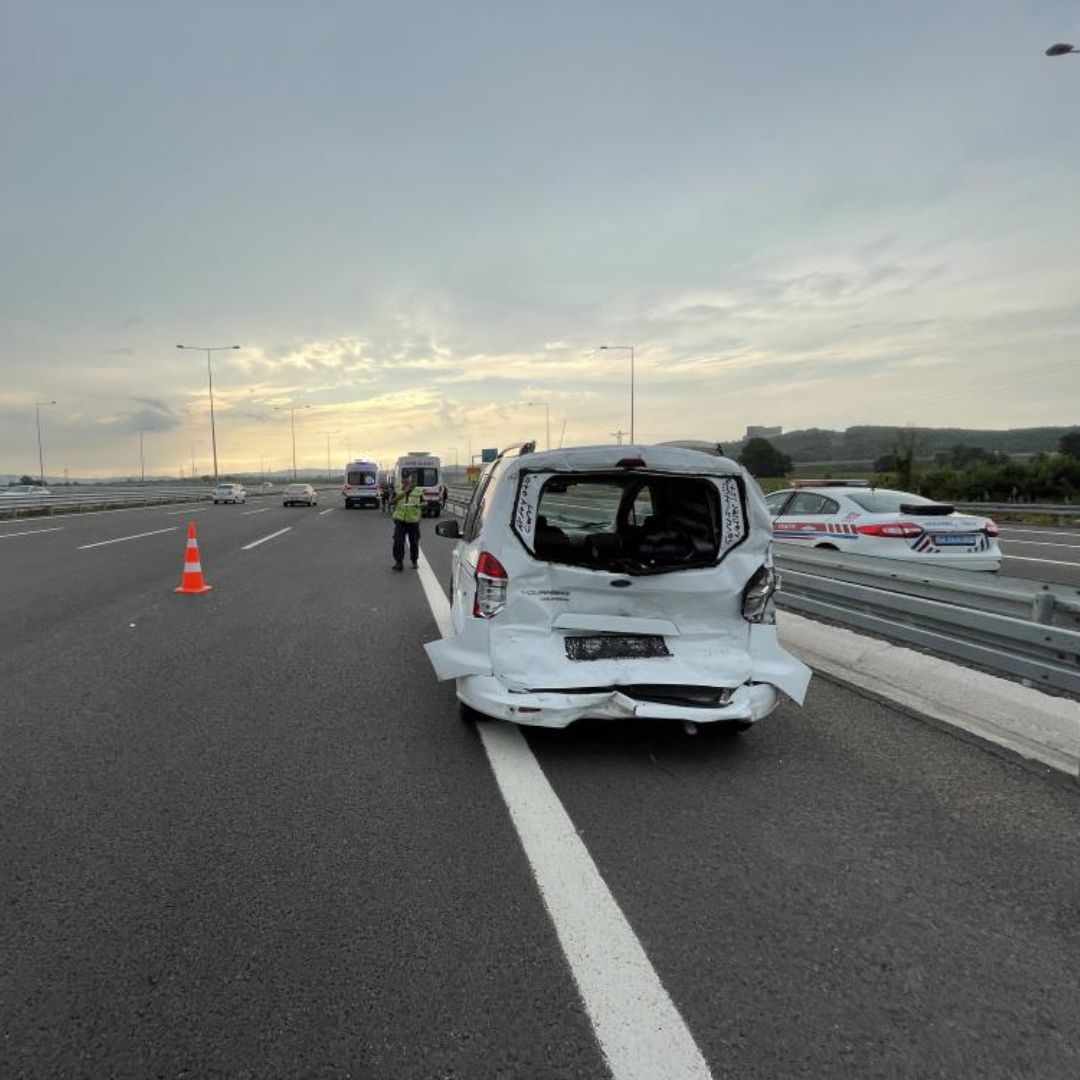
x,y
547,419
210,379
329,478
291,409
630,350
40,452
142,456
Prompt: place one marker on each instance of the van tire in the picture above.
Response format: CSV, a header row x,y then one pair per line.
x,y
467,713
826,547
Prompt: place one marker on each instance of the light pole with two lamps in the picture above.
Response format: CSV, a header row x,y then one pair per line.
x,y
630,350
210,377
329,475
292,410
40,453
547,418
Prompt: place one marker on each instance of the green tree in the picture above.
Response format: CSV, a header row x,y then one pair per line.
x,y
961,455
761,458
904,456
1069,444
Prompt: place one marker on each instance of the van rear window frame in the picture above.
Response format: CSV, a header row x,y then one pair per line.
x,y
623,477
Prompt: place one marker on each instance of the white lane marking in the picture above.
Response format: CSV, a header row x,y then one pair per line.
x,y
256,543
177,513
1028,558
261,510
32,532
1005,530
1041,543
121,539
638,1027
330,511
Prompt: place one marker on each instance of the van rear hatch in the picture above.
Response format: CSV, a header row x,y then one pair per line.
x,y
633,577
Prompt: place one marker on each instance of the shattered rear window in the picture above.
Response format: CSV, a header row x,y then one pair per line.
x,y
637,523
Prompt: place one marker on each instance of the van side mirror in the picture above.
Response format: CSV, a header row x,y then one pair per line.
x,y
450,529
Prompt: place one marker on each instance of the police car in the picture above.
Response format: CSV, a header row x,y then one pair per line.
x,y
852,516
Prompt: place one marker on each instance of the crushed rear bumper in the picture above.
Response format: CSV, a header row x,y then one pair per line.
x,y
555,709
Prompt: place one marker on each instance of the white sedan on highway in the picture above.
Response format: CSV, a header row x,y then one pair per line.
x,y
856,518
299,495
229,493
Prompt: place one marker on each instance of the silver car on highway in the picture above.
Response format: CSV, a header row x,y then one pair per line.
x,y
229,493
299,495
615,582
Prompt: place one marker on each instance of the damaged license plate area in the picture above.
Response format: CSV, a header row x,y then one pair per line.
x,y
615,647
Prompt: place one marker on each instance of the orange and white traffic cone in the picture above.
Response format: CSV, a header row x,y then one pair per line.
x,y
192,581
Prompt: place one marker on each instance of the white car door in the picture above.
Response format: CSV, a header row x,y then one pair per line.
x,y
807,520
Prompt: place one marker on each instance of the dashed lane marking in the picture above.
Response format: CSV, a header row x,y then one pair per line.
x,y
1041,543
261,510
262,540
637,1025
31,532
1007,531
330,511
121,539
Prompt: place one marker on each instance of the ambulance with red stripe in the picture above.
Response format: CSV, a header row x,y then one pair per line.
x,y
426,471
852,516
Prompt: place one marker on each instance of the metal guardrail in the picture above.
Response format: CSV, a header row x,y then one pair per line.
x,y
1023,629
1005,625
1019,598
1061,511
116,498
73,502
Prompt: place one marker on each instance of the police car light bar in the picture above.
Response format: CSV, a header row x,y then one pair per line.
x,y
830,483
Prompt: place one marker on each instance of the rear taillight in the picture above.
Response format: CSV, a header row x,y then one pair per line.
x,y
903,529
757,594
491,584
991,528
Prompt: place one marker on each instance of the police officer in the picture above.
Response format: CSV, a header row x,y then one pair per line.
x,y
407,509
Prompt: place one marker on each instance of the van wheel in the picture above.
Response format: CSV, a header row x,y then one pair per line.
x,y
826,547
468,714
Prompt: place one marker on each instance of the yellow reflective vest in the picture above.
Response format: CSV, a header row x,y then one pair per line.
x,y
409,506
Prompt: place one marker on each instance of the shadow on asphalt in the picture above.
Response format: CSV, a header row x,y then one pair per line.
x,y
634,740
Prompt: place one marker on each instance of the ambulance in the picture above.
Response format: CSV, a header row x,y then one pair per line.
x,y
427,471
361,486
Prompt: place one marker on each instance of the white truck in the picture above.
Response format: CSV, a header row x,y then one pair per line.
x,y
426,469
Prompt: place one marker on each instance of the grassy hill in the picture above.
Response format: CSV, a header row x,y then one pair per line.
x,y
863,445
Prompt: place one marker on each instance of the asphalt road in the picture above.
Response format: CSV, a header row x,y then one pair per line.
x,y
1042,554
245,834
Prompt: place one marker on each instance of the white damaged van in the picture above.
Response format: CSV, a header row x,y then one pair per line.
x,y
615,581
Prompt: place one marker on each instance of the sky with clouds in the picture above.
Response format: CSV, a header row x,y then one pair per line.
x,y
418,217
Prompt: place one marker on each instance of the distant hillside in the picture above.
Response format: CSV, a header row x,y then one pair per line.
x,y
868,443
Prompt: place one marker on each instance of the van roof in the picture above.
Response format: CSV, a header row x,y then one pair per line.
x,y
669,459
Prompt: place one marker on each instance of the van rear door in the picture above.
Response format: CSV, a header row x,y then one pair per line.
x,y
640,567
